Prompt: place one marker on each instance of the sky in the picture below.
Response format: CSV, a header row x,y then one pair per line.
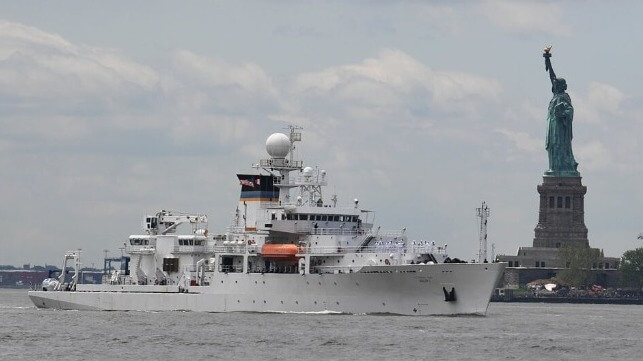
x,y
420,109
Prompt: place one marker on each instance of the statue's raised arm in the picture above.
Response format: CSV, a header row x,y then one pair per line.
x,y
548,67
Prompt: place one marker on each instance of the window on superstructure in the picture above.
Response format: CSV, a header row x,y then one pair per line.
x,y
354,218
551,202
336,218
560,202
318,217
341,218
303,217
568,202
324,218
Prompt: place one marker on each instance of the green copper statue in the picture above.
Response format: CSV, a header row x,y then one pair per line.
x,y
559,127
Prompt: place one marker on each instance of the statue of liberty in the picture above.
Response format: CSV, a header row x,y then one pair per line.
x,y
559,127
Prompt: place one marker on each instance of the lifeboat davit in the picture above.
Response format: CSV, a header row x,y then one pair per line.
x,y
280,251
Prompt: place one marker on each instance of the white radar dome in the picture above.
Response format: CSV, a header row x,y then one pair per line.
x,y
308,172
278,145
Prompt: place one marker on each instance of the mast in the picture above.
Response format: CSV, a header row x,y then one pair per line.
x,y
483,213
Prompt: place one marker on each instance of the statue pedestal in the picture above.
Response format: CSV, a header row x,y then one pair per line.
x,y
561,219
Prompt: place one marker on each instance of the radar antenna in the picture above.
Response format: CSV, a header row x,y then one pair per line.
x,y
483,213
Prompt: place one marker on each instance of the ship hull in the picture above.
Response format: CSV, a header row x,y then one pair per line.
x,y
405,290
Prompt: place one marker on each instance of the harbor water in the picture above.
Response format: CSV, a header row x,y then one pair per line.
x,y
510,331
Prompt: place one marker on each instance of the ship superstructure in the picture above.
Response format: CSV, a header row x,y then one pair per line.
x,y
288,249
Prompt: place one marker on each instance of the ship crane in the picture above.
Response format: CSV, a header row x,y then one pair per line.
x,y
483,212
165,222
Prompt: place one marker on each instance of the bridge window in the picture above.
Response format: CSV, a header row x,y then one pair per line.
x,y
336,218
324,218
303,217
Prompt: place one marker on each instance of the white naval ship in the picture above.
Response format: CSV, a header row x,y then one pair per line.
x,y
287,250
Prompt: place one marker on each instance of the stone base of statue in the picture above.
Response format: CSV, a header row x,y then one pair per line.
x,y
561,219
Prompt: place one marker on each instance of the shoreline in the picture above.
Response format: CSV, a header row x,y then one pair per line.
x,y
571,300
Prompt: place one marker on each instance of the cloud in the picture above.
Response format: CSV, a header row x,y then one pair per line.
x,y
216,73
599,105
389,83
41,66
594,156
52,90
523,142
526,17
606,98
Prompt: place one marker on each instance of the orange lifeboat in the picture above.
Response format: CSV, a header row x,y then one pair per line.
x,y
279,251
